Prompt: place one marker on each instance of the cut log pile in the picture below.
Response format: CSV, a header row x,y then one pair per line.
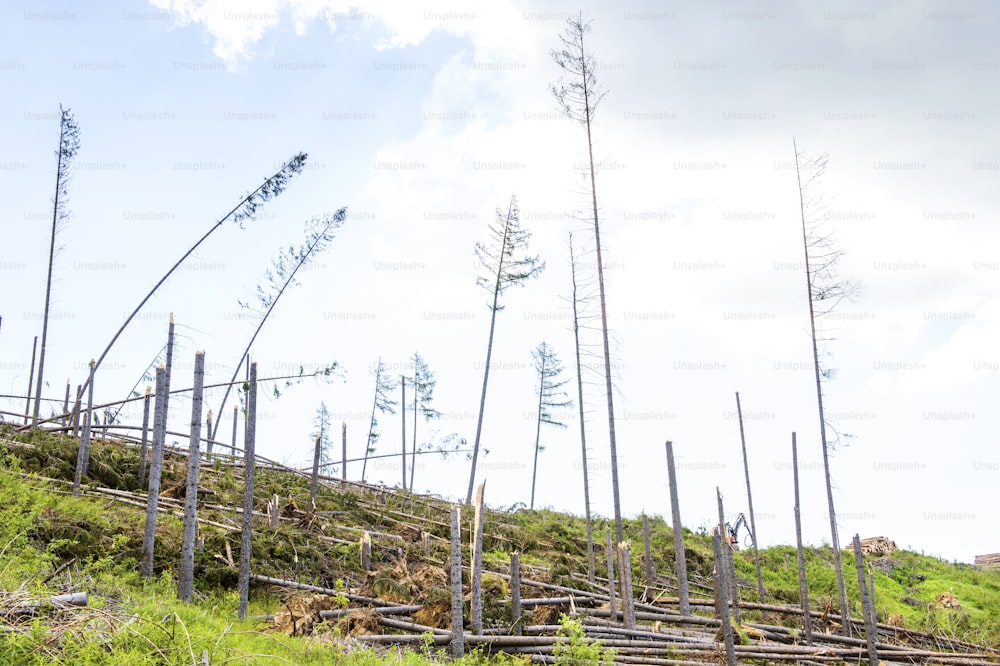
x,y
991,561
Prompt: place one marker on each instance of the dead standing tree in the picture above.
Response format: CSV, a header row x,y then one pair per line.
x,y
423,383
550,396
69,144
319,234
576,300
506,264
825,292
382,403
246,209
578,99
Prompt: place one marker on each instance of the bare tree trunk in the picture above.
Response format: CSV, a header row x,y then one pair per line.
x,y
515,592
83,453
647,559
538,435
65,419
145,439
722,602
209,436
68,145
314,483
870,628
803,587
583,428
835,539
486,379
611,573
365,548
77,408
248,478
402,412
476,610
155,471
413,448
236,419
871,599
628,600
732,594
31,377
245,209
457,618
675,512
753,522
185,591
343,451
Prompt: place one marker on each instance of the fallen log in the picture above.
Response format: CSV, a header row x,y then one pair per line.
x,y
58,602
321,590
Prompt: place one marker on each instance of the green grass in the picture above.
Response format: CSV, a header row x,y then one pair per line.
x,y
132,620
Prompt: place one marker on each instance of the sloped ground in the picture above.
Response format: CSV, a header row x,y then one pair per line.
x,y
95,541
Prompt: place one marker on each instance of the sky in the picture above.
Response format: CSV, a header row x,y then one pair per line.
x,y
424,120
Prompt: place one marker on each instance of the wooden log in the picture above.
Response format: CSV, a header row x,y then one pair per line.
x,y
28,608
412,626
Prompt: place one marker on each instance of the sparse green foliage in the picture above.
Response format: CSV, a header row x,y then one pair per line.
x,y
578,98
579,650
550,397
321,422
824,292
423,382
320,232
246,209
69,144
383,403
505,263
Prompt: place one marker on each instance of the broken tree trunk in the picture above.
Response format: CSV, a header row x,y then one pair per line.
x,y
732,592
155,472
83,453
185,590
611,572
515,593
314,482
675,513
649,575
870,630
625,571
721,595
476,610
249,461
145,438
457,619
753,521
803,588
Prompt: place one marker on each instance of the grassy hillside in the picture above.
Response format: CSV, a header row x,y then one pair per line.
x,y
52,542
